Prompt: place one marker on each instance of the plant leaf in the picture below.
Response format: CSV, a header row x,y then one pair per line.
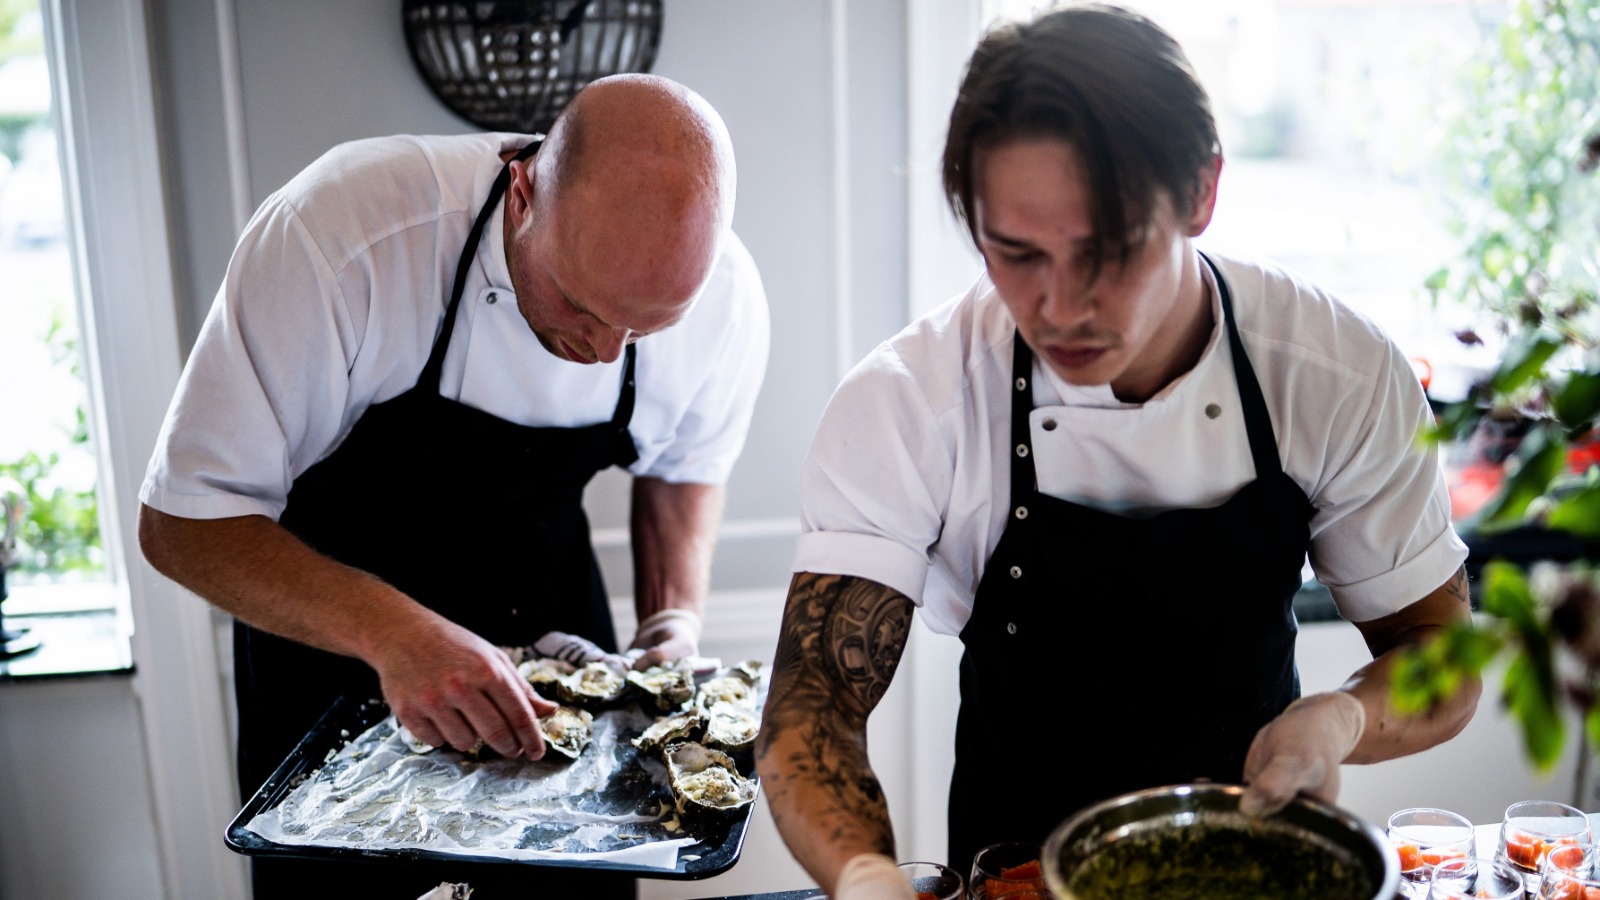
x,y
1578,401
1578,513
1530,696
1524,359
1539,459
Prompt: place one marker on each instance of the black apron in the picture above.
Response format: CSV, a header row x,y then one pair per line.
x,y
475,517
1152,649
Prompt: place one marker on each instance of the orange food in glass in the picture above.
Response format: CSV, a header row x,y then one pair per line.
x,y
1528,851
1571,890
1029,869
1413,857
1020,882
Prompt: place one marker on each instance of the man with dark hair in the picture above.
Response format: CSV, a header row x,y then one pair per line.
x,y
1103,468
423,349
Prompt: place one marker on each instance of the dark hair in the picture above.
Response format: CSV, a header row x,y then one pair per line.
x,y
1105,80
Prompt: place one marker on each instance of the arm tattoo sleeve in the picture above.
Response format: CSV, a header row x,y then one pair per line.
x,y
840,643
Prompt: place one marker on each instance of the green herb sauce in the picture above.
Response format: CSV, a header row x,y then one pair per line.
x,y
1207,863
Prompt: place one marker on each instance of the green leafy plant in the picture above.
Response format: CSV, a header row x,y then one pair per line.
x,y
60,529
1528,214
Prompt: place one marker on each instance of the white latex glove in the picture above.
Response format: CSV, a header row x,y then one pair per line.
x,y
1301,750
664,636
872,876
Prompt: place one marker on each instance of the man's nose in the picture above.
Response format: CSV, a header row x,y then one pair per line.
x,y
1069,296
608,342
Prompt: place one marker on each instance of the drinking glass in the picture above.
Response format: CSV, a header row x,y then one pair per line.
x,y
1532,828
1424,836
1008,870
1559,884
1474,878
932,881
1572,859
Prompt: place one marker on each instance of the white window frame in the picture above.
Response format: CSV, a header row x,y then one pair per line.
x,y
103,89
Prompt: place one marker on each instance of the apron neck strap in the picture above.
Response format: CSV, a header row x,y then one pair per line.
x,y
431,371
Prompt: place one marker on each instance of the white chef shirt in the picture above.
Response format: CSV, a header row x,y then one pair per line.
x,y
908,479
333,298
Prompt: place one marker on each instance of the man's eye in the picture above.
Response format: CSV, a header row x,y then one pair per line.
x,y
1018,257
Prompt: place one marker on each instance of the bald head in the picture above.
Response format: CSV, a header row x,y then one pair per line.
x,y
625,205
623,121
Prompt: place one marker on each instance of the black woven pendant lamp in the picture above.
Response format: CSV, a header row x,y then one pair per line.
x,y
514,65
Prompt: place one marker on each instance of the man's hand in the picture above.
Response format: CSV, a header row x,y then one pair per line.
x,y
450,686
1301,750
664,636
872,876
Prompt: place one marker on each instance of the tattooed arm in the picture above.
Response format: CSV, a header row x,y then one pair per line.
x,y
839,645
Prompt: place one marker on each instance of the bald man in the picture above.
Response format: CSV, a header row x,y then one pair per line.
x,y
422,351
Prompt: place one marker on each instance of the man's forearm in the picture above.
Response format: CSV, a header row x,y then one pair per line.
x,y
840,643
674,533
1390,733
253,568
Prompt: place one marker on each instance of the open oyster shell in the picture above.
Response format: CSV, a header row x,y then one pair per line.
x,y
567,731
594,686
731,689
545,672
665,688
731,728
705,782
684,726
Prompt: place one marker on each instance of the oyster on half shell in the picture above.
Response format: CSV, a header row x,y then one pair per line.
x,y
594,686
706,783
666,687
731,728
567,730
544,672
732,689
684,726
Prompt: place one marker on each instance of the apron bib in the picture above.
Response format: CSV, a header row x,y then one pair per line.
x,y
1095,626
475,517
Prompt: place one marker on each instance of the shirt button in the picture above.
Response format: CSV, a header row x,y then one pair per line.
x,y
1213,410
1016,571
1049,424
492,297
1022,512
1022,450
1011,628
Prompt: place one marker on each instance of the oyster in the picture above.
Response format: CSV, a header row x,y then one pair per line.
x,y
594,686
567,731
666,687
732,728
732,689
545,672
683,726
706,784
751,670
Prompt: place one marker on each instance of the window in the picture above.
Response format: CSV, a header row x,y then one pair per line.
x,y
47,459
1332,114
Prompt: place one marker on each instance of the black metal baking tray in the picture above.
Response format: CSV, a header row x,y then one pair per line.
x,y
718,848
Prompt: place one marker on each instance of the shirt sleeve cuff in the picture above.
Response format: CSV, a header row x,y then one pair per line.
x,y
207,506
874,558
1405,584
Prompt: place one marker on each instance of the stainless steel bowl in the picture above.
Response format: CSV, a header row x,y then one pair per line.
x,y
1318,827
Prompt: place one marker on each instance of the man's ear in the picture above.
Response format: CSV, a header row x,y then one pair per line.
x,y
1203,202
519,191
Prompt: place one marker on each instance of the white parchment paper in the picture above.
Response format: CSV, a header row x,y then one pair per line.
x,y
612,803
